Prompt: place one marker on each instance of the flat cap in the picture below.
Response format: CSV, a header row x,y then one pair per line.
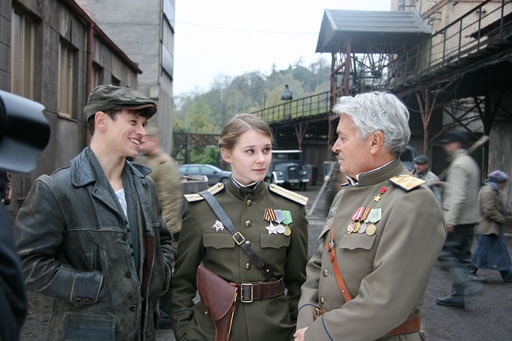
x,y
111,97
455,136
421,159
498,176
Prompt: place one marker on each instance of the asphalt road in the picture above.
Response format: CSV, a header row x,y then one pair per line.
x,y
486,317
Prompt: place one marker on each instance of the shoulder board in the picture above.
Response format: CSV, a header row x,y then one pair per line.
x,y
299,199
198,197
406,182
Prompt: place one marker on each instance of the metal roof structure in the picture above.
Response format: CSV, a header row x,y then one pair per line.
x,y
365,28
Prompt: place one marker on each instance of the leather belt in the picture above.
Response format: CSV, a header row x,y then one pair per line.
x,y
250,291
411,325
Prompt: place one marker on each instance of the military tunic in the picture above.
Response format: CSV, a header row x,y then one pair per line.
x,y
385,272
202,241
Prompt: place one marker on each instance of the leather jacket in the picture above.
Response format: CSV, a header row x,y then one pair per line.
x,y
73,242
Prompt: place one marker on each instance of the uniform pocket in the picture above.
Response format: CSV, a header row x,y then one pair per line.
x,y
218,240
274,241
356,241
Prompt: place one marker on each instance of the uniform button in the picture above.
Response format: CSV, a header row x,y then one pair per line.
x,y
133,307
248,202
128,275
248,223
125,237
248,266
322,300
248,242
325,272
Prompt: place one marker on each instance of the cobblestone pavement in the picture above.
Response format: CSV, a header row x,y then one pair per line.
x,y
487,316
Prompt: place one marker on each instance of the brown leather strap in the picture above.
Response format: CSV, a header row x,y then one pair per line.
x,y
250,291
331,248
411,325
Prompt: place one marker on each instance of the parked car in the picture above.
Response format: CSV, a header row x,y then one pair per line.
x,y
213,173
288,169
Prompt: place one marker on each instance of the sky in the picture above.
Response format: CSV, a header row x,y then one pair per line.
x,y
227,38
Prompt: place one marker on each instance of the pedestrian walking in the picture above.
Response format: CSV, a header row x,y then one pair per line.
x,y
460,205
167,179
491,249
251,239
91,235
382,236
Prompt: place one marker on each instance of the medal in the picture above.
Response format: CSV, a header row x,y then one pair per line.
x,y
374,216
287,221
279,219
270,216
381,193
217,226
350,228
370,229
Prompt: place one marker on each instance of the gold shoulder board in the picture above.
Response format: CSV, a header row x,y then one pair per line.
x,y
299,199
406,182
198,197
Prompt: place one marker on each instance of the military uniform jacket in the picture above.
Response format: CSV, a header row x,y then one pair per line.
x,y
267,319
386,273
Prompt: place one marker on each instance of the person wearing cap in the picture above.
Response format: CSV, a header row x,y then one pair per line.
x,y
421,171
167,180
460,206
491,250
91,235
382,236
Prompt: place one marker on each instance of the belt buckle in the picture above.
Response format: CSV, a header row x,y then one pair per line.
x,y
238,238
242,298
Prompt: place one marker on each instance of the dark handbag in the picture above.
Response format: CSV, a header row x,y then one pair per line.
x,y
218,297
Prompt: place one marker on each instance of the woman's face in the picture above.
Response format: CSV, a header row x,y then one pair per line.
x,y
250,157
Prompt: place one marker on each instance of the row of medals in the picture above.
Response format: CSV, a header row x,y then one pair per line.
x,y
363,221
279,216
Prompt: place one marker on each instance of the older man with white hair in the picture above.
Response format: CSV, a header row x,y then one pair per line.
x,y
382,236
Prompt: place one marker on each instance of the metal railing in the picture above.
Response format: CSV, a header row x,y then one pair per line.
x,y
298,109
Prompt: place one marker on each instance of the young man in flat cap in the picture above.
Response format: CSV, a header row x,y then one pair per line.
x,y
460,206
92,236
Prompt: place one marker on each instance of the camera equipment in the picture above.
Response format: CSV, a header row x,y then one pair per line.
x,y
24,132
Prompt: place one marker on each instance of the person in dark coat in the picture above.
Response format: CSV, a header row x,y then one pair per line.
x,y
273,222
92,236
491,249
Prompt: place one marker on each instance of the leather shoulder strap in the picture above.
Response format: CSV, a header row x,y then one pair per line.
x,y
237,236
331,248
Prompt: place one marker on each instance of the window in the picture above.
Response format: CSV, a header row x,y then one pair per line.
x,y
23,38
67,79
97,75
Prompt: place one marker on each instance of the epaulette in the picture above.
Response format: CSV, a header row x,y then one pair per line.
x,y
299,199
198,197
406,182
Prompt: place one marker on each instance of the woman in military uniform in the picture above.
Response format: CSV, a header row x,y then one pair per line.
x,y
272,221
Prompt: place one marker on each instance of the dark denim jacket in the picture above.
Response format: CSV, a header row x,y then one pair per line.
x,y
74,246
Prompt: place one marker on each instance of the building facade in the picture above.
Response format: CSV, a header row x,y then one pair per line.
x,y
145,31
54,53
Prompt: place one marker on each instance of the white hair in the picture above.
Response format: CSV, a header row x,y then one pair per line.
x,y
378,111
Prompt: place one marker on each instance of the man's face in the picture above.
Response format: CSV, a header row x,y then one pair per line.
x,y
420,167
353,153
451,147
124,133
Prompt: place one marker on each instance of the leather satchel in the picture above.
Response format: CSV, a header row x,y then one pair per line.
x,y
218,297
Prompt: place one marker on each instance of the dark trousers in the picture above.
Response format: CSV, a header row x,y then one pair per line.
x,y
455,257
